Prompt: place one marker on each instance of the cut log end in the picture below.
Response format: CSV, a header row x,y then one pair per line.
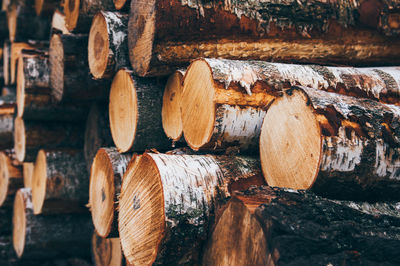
x,y
71,9
20,87
39,181
98,47
56,60
238,239
39,6
19,139
12,21
28,174
4,177
141,216
291,133
123,110
106,251
102,193
119,4
171,108
198,101
19,220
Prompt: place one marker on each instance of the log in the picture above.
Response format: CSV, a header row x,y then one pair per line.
x,y
23,24
30,136
6,130
28,174
34,93
348,147
231,103
135,113
60,183
107,251
105,186
272,226
167,201
171,107
10,178
46,8
108,44
68,57
97,132
58,23
50,236
270,31
79,14
8,91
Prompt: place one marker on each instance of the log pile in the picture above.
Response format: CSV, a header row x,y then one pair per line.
x,y
199,132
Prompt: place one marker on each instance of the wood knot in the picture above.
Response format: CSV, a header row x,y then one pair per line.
x,y
103,195
136,202
98,45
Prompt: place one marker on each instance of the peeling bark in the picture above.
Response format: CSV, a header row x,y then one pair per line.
x,y
302,31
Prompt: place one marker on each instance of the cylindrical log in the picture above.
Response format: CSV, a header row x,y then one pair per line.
x,y
230,102
105,186
167,200
271,226
271,31
122,4
97,132
58,23
34,93
30,136
135,113
107,251
79,14
23,24
6,62
108,44
68,78
48,236
46,8
10,177
60,183
348,147
6,130
28,174
171,106
389,19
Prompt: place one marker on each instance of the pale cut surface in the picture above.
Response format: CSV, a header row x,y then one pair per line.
x,y
56,60
119,4
106,251
171,108
101,193
28,174
19,224
12,21
141,212
6,62
290,143
198,108
71,9
20,87
238,239
4,177
19,139
123,111
98,47
39,182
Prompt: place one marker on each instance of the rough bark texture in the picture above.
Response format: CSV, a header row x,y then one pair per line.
x,y
360,147
6,131
55,236
380,83
34,94
68,57
23,24
97,132
191,187
118,56
119,163
302,228
50,135
306,31
67,182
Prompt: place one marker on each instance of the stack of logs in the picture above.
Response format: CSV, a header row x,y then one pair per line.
x,y
200,132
